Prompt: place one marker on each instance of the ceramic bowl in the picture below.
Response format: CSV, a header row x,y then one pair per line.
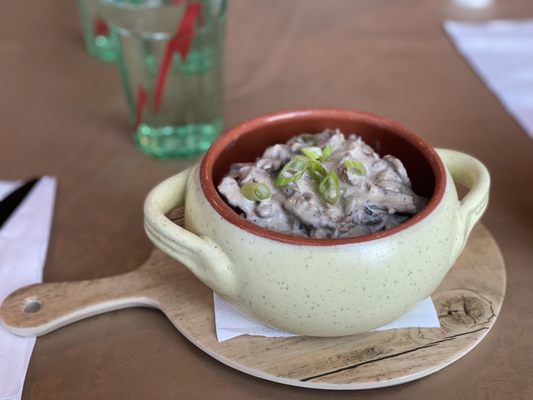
x,y
320,287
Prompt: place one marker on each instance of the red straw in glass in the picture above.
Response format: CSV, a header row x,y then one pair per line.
x,y
142,100
100,27
179,43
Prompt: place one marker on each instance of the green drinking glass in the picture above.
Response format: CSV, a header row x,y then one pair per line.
x,y
96,31
170,56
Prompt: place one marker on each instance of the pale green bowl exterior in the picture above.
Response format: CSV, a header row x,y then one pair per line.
x,y
319,290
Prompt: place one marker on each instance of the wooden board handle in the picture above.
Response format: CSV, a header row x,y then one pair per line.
x,y
38,309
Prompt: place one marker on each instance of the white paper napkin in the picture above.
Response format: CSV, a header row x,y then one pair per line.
x,y
230,323
23,244
501,52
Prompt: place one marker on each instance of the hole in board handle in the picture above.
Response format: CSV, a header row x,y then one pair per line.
x,y
32,306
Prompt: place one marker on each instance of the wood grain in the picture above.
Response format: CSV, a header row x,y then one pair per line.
x,y
468,302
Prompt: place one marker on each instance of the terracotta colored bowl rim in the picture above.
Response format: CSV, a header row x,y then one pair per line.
x,y
225,140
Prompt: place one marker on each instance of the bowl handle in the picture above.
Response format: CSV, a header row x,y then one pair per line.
x,y
198,253
470,172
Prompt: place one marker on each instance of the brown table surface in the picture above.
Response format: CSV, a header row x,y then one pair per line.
x,y
62,113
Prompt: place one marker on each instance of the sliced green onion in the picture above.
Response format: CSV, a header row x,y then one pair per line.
x,y
293,171
313,152
329,188
301,158
314,167
317,176
256,191
355,166
326,152
317,171
317,166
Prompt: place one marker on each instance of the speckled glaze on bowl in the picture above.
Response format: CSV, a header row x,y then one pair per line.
x,y
320,287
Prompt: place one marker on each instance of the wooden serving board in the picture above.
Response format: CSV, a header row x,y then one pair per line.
x,y
468,302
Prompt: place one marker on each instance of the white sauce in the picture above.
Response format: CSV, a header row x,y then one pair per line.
x,y
379,200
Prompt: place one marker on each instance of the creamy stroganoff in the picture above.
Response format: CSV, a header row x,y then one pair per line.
x,y
322,186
